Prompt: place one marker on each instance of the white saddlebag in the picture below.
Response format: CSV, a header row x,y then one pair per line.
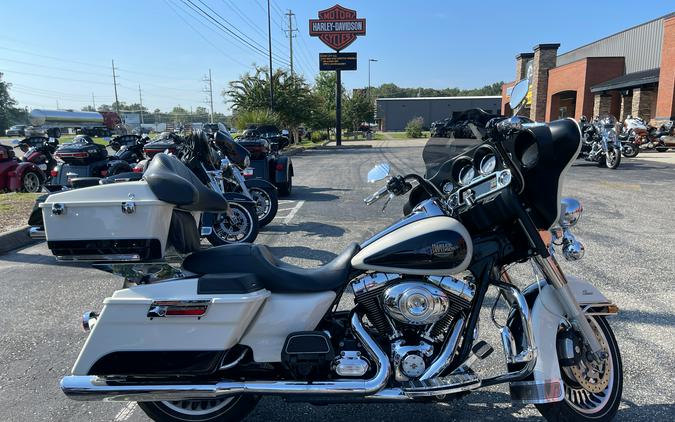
x,y
117,221
172,327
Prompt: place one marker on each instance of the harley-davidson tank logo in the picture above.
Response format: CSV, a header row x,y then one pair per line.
x,y
443,249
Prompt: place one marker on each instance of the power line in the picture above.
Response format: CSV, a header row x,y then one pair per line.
x,y
224,28
229,57
250,22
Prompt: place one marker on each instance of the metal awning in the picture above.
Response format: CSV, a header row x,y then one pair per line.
x,y
630,80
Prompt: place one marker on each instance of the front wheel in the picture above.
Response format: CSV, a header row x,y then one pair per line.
x,y
223,409
630,150
239,227
613,158
592,389
266,204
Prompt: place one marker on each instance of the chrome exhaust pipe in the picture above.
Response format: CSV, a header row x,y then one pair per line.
x,y
88,387
37,233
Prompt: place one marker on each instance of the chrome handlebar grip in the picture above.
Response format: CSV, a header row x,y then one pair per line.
x,y
376,196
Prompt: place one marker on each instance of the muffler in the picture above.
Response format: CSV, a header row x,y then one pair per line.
x,y
91,387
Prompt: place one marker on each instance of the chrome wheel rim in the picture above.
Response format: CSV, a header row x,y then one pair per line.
x,y
31,182
198,407
592,398
236,228
263,203
612,157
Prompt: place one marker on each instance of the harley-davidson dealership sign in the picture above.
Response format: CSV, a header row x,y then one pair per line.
x,y
337,27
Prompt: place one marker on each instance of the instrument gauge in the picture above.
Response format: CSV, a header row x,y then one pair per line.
x,y
488,164
466,174
448,187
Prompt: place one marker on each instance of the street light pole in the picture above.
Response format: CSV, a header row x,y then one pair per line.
x,y
369,61
269,47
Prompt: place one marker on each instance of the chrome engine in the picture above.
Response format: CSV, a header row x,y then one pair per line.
x,y
415,314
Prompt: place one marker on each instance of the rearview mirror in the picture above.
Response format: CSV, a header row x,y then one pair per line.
x,y
519,95
378,172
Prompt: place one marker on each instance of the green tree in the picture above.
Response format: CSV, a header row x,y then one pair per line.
x,y
7,103
104,107
88,108
291,96
357,109
245,118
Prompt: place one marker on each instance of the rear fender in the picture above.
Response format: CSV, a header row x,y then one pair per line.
x,y
15,181
545,385
282,176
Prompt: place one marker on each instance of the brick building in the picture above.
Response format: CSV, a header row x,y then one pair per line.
x,y
631,72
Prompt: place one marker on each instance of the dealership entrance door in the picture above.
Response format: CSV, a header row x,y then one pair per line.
x,y
563,104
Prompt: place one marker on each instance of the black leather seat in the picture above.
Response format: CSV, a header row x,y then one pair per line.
x,y
274,274
173,182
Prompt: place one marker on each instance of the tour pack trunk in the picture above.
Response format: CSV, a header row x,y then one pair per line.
x,y
81,153
118,221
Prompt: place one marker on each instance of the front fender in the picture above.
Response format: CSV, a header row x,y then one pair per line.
x,y
15,181
238,197
545,385
260,183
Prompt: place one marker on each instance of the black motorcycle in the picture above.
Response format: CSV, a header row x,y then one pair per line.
x,y
600,142
234,160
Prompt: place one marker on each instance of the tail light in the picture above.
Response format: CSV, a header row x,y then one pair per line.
x,y
104,173
280,167
79,154
137,169
55,172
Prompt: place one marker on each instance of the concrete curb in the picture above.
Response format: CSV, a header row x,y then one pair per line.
x,y
15,239
297,150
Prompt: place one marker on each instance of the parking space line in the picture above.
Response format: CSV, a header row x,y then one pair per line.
x,y
294,211
126,412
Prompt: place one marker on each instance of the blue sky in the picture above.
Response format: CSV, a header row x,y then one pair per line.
x,y
62,50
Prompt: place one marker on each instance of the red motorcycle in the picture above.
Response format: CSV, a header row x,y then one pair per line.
x,y
17,175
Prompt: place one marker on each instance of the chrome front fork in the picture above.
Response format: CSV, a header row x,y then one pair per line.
x,y
553,273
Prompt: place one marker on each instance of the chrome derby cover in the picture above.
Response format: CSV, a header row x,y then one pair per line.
x,y
426,242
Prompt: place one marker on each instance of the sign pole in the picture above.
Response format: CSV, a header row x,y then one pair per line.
x,y
338,108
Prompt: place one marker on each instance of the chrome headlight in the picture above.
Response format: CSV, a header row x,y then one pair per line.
x,y
570,212
247,161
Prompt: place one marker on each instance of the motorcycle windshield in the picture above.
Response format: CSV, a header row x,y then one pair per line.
x,y
437,151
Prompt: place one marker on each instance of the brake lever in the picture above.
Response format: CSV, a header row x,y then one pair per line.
x,y
389,198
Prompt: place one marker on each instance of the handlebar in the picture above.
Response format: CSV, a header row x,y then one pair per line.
x,y
371,199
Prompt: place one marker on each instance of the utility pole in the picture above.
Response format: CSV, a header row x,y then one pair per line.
x,y
117,103
140,98
57,104
210,91
269,47
93,101
290,31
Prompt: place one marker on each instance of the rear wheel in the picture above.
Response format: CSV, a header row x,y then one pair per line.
x,y
592,389
266,204
31,182
285,189
224,409
240,227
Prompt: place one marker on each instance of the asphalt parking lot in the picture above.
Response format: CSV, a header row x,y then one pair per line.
x,y
627,230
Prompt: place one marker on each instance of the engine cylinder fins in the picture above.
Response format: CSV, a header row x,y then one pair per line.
x,y
374,312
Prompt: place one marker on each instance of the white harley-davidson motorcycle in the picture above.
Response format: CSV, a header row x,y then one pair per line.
x,y
235,324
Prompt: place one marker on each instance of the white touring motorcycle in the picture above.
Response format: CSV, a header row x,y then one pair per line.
x,y
237,324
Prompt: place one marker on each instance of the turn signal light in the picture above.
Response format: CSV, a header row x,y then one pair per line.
x,y
280,166
54,172
137,170
104,173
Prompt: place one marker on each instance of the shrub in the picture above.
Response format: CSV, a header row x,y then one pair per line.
x,y
414,128
319,136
